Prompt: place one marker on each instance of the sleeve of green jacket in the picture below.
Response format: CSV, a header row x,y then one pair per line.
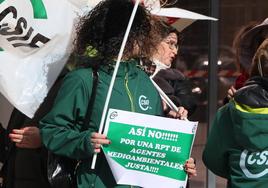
x,y
62,128
215,154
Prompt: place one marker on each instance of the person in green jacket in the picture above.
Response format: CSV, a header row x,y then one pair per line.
x,y
100,34
237,147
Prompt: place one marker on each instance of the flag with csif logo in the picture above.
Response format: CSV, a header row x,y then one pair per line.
x,y
35,40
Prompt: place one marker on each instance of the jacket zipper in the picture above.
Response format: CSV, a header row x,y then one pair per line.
x,y
130,99
129,94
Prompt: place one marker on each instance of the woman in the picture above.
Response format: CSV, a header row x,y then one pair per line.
x,y
23,155
237,145
245,44
101,32
170,80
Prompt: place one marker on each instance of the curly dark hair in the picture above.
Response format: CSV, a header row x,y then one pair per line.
x,y
165,29
103,28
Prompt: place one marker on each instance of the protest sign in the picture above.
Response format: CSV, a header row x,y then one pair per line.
x,y
36,38
148,151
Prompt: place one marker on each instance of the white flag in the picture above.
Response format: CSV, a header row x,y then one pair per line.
x,y
35,39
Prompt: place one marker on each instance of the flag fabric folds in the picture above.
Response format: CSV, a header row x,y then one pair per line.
x,y
35,39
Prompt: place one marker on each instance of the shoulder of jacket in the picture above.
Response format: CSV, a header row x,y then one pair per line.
x,y
82,74
142,73
224,109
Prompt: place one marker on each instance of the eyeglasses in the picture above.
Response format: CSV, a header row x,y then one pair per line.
x,y
171,44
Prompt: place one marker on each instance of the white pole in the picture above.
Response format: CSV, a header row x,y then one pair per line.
x,y
114,75
166,98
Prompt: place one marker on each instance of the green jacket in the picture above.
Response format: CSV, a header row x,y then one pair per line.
x,y
237,146
62,128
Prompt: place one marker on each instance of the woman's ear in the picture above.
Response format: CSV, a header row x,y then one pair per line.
x,y
136,48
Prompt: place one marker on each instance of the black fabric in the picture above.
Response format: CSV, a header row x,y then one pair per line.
x,y
92,97
2,143
177,88
26,168
61,171
254,93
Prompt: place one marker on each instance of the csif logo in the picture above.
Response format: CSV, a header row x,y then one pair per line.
x,y
254,164
39,10
144,103
113,115
13,35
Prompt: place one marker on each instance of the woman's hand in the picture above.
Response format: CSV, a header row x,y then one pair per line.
x,y
181,114
231,92
97,140
190,167
27,137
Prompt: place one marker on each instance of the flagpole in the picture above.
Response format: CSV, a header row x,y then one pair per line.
x,y
104,112
167,100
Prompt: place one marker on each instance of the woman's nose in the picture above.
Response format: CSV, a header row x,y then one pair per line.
x,y
175,51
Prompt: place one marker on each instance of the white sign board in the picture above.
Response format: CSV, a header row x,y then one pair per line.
x,y
148,151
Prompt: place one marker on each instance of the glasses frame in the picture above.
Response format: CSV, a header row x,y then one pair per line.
x,y
171,44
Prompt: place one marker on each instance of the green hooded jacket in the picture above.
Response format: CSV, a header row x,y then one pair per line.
x,y
237,146
62,129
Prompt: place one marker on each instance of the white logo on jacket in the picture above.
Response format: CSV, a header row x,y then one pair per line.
x,y
256,159
144,103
